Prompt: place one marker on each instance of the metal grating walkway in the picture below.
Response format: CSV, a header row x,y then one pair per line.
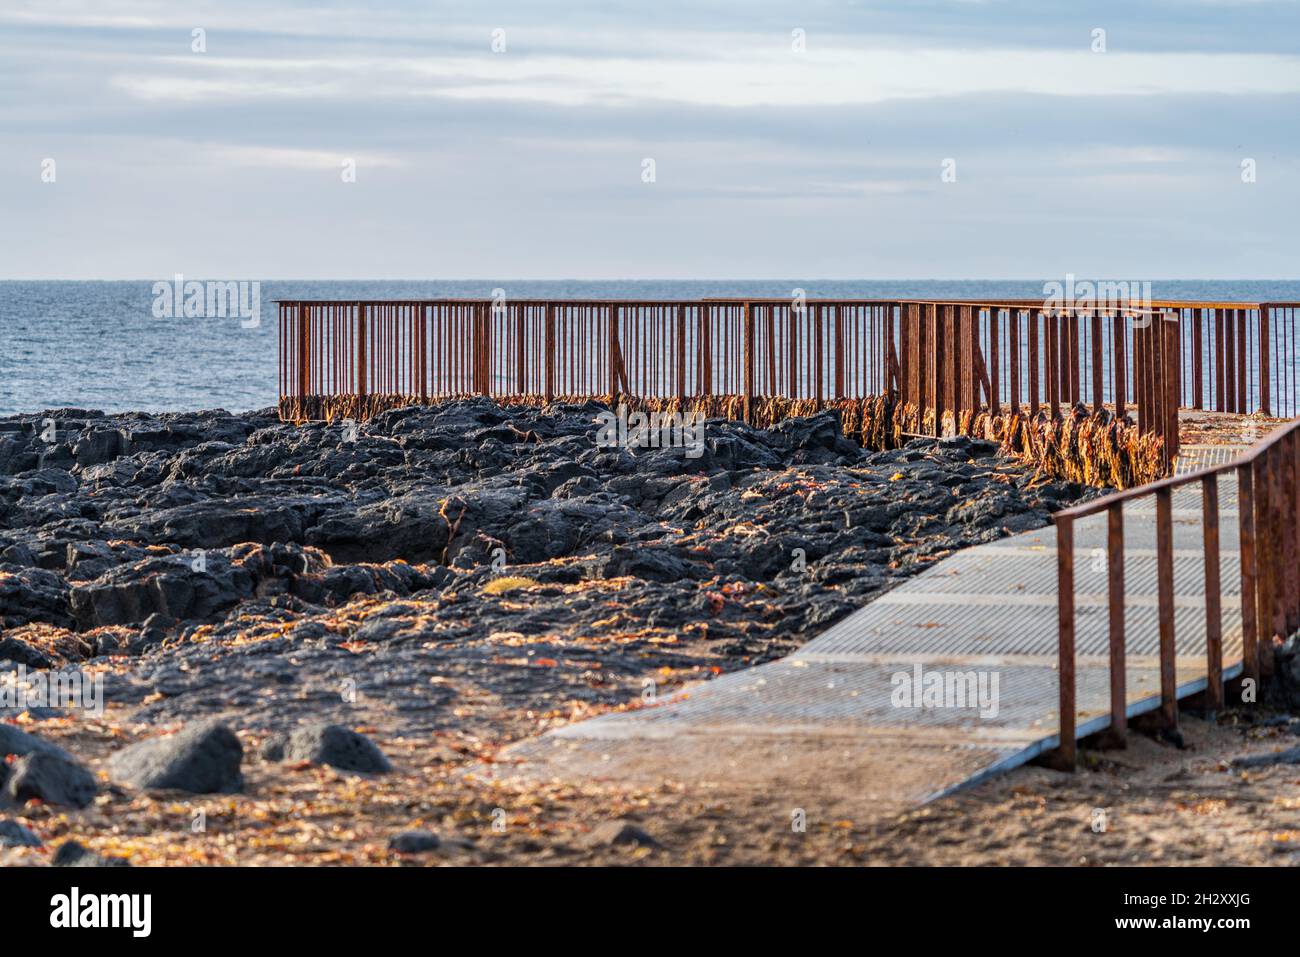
x,y
826,716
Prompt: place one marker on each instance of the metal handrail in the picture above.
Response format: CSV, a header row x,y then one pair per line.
x,y
1268,493
945,358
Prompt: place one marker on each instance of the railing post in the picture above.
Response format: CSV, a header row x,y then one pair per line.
x,y
1213,604
681,355
304,352
1139,372
839,351
1291,529
1054,365
1273,462
1265,397
548,356
484,364
817,321
705,345
1242,347
1165,588
1265,557
1228,318
1115,595
1034,397
1013,343
940,360
1065,756
521,381
1120,339
1220,363
1072,372
1246,521
1198,360
1174,370
995,360
1157,382
282,328
792,350
747,353
890,358
906,350
1098,393
418,317
363,354
921,348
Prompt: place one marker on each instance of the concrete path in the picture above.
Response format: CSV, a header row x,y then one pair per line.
x,y
828,716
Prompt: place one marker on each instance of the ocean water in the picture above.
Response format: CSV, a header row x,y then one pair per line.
x,y
98,345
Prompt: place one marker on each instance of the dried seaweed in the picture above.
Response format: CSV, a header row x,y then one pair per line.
x,y
1098,449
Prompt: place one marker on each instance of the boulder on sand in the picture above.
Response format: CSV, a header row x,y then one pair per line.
x,y
50,778
202,759
335,745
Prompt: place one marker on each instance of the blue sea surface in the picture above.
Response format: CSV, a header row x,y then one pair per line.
x,y
97,345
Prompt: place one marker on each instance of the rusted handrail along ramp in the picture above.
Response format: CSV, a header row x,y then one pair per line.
x,y
1265,496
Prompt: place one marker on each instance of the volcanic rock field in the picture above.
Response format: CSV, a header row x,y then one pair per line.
x,y
444,580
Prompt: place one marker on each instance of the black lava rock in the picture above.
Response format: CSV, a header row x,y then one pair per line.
x,y
17,742
49,778
201,759
414,842
337,746
72,854
13,834
23,653
301,574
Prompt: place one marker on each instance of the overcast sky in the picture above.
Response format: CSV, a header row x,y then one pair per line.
x,y
771,157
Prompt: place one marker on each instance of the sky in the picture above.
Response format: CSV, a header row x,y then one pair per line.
x,y
676,139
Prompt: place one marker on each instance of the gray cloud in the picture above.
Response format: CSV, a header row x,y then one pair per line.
x,y
227,163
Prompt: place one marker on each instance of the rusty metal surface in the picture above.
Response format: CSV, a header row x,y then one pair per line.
x,y
829,710
948,359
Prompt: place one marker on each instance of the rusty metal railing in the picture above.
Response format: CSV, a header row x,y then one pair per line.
x,y
957,357
1268,499
1239,357
946,358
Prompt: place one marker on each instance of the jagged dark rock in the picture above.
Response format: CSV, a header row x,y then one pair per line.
x,y
299,575
24,653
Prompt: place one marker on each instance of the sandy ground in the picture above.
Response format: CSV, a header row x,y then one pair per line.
x,y
1220,428
1148,804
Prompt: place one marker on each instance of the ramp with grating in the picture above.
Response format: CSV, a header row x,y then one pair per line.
x,y
833,714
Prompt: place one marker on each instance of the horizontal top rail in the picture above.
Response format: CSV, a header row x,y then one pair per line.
x,y
488,300
1154,304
